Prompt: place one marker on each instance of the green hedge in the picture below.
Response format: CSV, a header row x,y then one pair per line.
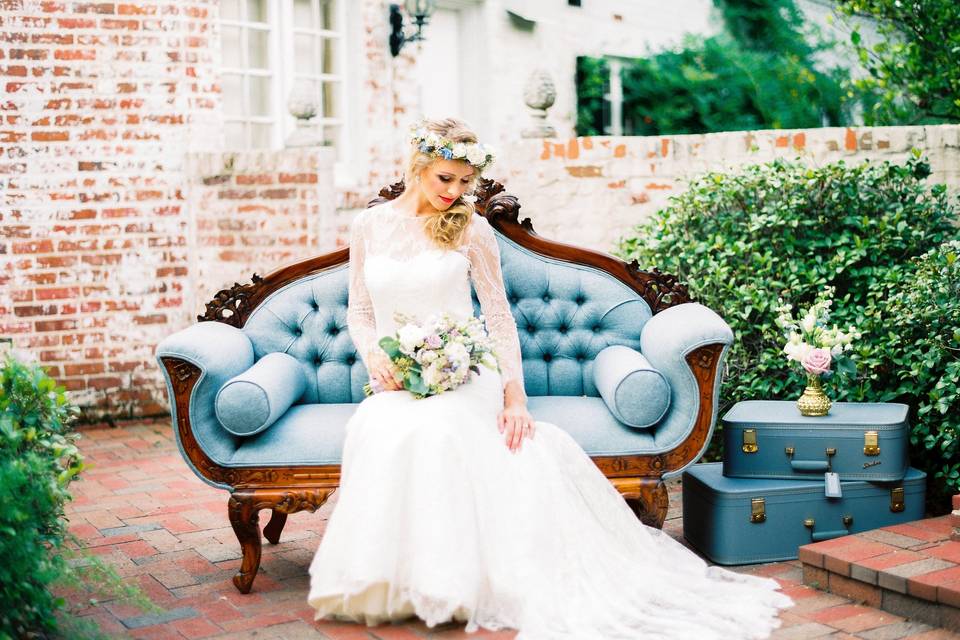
x,y
742,239
38,460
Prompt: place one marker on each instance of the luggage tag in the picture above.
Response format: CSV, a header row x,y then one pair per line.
x,y
831,484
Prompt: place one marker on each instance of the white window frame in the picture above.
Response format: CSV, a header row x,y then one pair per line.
x,y
273,64
289,76
280,50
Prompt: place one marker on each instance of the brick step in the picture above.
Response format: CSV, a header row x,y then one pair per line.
x,y
911,570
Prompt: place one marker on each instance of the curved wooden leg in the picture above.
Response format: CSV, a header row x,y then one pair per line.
x,y
244,516
272,531
244,507
647,497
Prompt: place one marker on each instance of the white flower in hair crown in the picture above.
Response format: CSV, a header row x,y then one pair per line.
x,y
479,155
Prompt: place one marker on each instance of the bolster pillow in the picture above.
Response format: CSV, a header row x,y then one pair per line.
x,y
252,401
636,394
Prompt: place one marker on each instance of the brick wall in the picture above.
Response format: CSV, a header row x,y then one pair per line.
x,y
591,191
120,218
256,211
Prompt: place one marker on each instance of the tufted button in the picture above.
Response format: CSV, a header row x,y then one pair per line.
x,y
580,300
563,328
546,297
580,358
334,330
514,299
314,305
530,328
317,361
596,329
351,360
547,357
297,331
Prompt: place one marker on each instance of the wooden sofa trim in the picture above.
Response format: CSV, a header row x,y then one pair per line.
x,y
286,490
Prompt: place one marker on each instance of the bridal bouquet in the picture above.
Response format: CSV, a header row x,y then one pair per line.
x,y
437,355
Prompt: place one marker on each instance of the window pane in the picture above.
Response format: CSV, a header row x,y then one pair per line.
x,y
234,136
330,93
232,53
328,15
256,11
303,16
232,94
260,135
259,96
230,9
258,41
329,47
304,54
331,134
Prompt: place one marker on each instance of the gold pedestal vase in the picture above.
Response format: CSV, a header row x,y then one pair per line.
x,y
814,402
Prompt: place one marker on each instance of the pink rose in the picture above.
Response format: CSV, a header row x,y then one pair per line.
x,y
817,361
433,341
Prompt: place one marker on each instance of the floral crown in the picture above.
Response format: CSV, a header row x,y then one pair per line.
x,y
479,155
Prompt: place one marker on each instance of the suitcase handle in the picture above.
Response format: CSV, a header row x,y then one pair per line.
x,y
817,536
810,466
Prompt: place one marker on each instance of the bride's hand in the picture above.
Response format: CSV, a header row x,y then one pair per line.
x,y
516,422
381,369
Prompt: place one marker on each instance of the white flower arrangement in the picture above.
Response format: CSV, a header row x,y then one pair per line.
x,y
436,355
479,155
812,342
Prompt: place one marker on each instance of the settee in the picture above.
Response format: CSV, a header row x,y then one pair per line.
x,y
571,306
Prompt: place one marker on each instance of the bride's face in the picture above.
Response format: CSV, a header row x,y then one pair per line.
x,y
446,180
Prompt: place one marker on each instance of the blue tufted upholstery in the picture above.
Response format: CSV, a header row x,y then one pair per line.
x,y
566,314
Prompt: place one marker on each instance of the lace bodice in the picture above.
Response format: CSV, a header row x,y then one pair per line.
x,y
395,267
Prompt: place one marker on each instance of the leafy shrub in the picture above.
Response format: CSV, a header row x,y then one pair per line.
x,y
763,71
923,323
915,38
742,239
38,460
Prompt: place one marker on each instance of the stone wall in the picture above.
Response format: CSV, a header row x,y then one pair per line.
x,y
591,191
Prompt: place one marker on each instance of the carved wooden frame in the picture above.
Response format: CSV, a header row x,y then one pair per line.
x,y
285,490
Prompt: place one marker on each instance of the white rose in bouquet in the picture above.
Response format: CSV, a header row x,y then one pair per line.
x,y
411,336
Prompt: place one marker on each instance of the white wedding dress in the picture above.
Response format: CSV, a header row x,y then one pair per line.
x,y
437,518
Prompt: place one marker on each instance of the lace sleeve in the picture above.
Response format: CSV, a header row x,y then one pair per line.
x,y
484,255
361,322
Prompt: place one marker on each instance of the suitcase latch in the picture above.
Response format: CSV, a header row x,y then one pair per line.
x,y
896,499
758,511
871,443
749,440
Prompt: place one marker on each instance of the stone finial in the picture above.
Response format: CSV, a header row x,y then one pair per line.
x,y
303,105
539,94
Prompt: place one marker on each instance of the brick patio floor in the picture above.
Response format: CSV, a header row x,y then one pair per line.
x,y
140,507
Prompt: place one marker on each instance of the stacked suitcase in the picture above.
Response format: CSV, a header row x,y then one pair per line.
x,y
787,480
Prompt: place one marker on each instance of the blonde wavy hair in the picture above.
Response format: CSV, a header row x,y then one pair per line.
x,y
445,228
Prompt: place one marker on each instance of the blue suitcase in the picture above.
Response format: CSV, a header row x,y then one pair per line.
x,y
743,521
857,440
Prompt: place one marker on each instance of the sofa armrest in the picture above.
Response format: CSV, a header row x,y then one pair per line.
x,y
221,352
666,339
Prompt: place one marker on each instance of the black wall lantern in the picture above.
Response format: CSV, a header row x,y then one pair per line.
x,y
419,12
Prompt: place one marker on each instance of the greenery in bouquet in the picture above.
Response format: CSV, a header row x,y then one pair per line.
x,y
819,348
437,355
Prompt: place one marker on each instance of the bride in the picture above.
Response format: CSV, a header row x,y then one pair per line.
x,y
459,506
